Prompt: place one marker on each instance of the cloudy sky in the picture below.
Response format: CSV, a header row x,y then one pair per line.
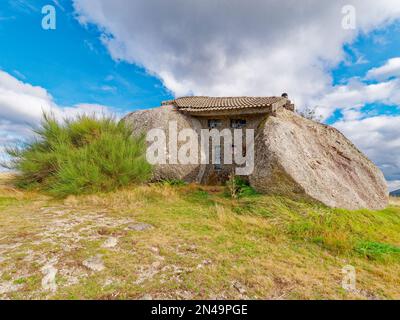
x,y
117,56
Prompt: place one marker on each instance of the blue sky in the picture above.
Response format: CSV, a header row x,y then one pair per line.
x,y
70,62
74,66
366,52
125,55
369,50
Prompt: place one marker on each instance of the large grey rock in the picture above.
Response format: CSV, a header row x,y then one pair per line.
x,y
143,121
293,157
298,157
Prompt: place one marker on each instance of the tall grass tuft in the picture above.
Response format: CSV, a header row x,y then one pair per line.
x,y
80,156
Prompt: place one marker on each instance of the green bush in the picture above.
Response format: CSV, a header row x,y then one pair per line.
x,y
376,250
80,156
238,187
174,182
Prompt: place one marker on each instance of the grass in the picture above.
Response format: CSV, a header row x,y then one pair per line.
x,y
81,156
202,245
376,250
236,187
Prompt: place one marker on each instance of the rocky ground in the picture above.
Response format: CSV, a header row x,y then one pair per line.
x,y
161,242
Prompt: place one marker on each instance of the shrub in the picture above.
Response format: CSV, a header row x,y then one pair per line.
x,y
310,113
376,250
80,156
174,182
237,187
232,186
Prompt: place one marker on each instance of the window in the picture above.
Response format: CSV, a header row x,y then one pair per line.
x,y
238,123
214,123
217,158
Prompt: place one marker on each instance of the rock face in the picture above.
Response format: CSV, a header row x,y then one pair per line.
x,y
143,121
298,157
293,157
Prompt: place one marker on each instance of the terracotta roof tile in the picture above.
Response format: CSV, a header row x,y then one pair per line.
x,y
200,103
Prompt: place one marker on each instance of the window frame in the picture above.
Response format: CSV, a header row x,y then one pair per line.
x,y
217,123
238,123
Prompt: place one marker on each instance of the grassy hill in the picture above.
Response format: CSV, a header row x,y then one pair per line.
x,y
187,242
395,193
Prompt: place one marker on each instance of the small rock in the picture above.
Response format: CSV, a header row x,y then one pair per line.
x,y
110,242
239,287
7,287
49,279
204,263
146,297
94,263
140,226
155,250
185,295
108,282
49,272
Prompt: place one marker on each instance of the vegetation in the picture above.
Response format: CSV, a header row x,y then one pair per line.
x,y
200,242
238,187
310,113
80,156
202,245
174,182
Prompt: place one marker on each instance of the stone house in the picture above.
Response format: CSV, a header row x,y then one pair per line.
x,y
227,113
293,156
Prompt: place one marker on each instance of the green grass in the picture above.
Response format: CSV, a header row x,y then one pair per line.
x,y
6,201
236,187
174,182
273,246
377,250
81,156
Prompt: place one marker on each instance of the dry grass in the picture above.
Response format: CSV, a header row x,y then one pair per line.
x,y
201,245
395,201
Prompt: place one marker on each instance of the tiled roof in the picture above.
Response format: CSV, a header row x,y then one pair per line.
x,y
199,104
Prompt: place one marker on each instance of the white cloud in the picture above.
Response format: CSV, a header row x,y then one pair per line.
x,y
394,185
21,102
390,69
259,47
22,106
234,47
379,138
350,98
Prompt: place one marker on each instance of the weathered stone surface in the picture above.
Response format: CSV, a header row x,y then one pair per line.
x,y
143,121
9,286
49,279
296,156
94,263
110,243
293,157
140,226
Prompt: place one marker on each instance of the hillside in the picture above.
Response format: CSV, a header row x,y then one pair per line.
x,y
395,193
189,242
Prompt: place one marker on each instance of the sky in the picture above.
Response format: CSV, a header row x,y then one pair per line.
x,y
342,57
